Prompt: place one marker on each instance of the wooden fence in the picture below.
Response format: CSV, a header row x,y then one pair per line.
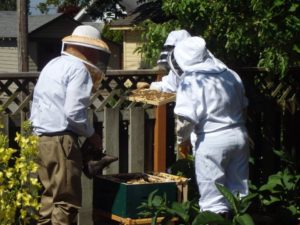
x,y
129,129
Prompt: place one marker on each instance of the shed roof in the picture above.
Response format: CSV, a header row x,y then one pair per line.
x,y
9,23
148,10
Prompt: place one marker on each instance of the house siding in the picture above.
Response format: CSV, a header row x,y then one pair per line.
x,y
8,57
44,41
131,59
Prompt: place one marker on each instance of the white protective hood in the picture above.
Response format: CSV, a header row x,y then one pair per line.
x,y
173,37
176,36
192,55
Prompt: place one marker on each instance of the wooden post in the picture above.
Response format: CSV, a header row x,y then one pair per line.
x,y
160,141
111,137
136,149
84,216
22,36
22,44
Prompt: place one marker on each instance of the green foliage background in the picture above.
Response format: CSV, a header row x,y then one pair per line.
x,y
262,33
8,5
96,10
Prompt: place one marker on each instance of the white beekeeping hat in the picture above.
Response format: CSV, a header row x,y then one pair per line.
x,y
87,36
176,36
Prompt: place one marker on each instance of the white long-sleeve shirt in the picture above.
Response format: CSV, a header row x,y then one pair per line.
x,y
61,97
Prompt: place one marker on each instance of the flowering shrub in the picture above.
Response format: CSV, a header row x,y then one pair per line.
x,y
19,186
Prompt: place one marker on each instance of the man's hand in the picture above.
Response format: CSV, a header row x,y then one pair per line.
x,y
141,85
96,141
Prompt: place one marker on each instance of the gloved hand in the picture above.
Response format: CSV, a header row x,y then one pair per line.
x,y
141,85
183,149
94,160
95,167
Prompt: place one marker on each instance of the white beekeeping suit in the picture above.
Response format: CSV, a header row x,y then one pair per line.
x,y
211,103
169,82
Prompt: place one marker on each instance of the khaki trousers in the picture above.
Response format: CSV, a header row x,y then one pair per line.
x,y
60,164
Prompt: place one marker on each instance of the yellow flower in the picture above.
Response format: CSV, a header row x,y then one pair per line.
x,y
19,186
23,213
9,173
34,181
26,199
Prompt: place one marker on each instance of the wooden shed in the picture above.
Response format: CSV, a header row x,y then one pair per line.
x,y
45,33
132,35
44,39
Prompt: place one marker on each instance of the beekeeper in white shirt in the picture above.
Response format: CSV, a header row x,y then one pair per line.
x,y
211,102
59,115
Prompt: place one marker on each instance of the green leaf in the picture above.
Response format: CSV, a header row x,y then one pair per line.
x,y
278,2
249,197
184,216
296,48
151,196
246,201
271,200
233,202
208,217
293,7
179,210
244,219
293,209
273,181
156,215
157,201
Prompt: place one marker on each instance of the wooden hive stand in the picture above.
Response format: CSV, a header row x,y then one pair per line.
x,y
101,217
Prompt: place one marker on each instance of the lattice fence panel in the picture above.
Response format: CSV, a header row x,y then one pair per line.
x,y
16,90
16,94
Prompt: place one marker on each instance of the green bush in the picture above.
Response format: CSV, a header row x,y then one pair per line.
x,y
188,213
279,197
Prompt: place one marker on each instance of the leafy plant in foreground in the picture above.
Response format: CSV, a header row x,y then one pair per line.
x,y
19,185
188,213
280,196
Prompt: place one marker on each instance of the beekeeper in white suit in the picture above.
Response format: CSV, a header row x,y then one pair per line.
x,y
169,83
211,102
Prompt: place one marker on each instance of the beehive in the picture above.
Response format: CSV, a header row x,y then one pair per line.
x,y
122,194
